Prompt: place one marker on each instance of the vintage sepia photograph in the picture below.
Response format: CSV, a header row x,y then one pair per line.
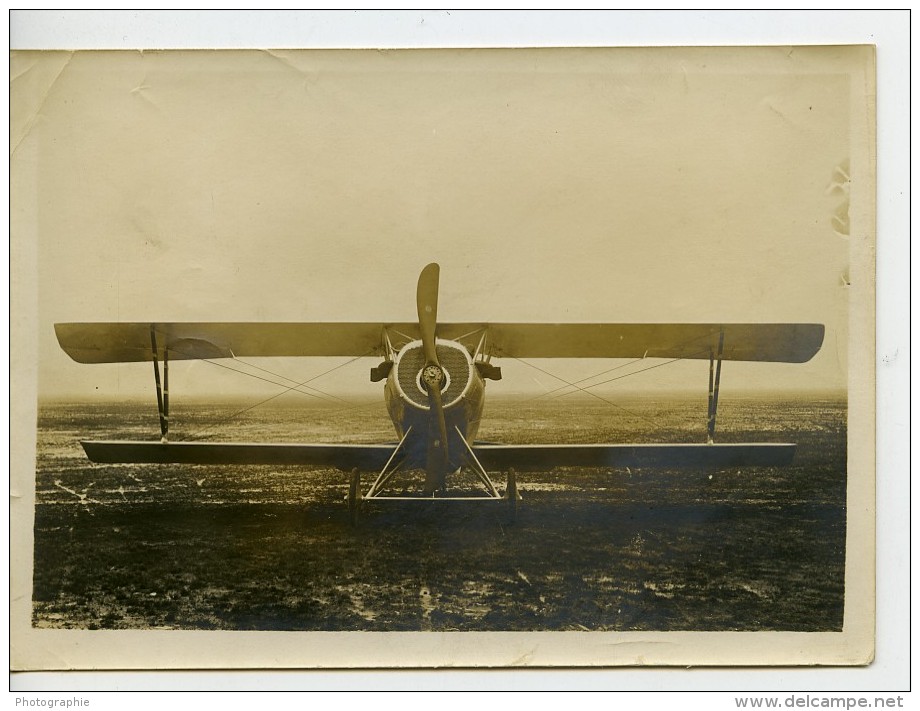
x,y
448,357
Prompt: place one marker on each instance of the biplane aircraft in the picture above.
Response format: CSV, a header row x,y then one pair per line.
x,y
434,378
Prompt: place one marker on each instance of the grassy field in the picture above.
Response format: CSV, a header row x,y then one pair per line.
x,y
206,547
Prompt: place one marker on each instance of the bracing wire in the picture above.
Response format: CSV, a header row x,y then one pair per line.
x,y
321,394
585,390
292,380
257,377
286,390
620,367
635,372
576,383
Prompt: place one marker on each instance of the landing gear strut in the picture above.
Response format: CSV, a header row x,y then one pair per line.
x,y
354,496
512,496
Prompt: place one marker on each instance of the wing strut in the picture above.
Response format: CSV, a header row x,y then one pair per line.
x,y
162,390
714,385
388,470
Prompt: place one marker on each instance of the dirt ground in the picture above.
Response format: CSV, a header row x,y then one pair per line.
x,y
262,548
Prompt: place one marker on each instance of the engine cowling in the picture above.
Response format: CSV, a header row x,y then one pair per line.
x,y
462,392
456,363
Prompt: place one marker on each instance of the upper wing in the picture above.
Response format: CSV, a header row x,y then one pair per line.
x,y
779,342
124,342
128,342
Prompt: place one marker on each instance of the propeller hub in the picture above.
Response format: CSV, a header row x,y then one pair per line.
x,y
433,376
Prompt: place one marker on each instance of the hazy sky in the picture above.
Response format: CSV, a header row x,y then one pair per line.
x,y
572,185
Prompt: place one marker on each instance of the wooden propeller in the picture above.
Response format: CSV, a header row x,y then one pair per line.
x,y
433,377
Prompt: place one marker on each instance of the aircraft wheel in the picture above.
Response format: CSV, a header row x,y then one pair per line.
x,y
511,493
354,490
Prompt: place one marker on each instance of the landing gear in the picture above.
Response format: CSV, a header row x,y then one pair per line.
x,y
511,496
394,465
354,496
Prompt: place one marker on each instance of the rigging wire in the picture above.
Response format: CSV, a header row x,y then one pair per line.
x,y
635,372
292,380
252,375
578,382
681,344
286,390
322,395
585,390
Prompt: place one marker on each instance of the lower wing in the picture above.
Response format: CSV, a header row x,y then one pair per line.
x,y
686,456
365,457
496,457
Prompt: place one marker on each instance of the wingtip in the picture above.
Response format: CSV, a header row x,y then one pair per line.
x,y
819,333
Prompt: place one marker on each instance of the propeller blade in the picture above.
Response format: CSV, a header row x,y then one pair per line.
x,y
426,299
436,466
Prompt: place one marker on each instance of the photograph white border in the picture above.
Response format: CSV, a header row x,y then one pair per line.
x,y
664,28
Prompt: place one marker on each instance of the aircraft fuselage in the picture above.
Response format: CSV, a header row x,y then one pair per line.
x,y
407,400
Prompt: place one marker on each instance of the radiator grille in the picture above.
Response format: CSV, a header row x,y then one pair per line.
x,y
455,362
